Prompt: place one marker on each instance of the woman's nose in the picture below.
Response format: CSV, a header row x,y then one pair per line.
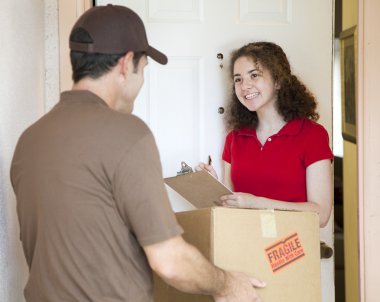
x,y
247,83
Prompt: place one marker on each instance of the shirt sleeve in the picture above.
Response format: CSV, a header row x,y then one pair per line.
x,y
317,146
141,195
226,155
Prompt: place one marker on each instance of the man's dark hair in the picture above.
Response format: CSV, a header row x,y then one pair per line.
x,y
93,65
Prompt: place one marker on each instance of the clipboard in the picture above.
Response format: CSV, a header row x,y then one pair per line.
x,y
199,188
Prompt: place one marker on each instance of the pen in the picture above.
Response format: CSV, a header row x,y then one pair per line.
x,y
209,160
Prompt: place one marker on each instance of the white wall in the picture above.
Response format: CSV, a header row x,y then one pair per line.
x,y
22,89
337,103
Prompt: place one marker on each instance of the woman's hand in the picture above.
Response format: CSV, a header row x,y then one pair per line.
x,y
241,200
206,167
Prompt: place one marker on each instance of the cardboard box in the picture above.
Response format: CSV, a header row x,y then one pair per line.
x,y
281,248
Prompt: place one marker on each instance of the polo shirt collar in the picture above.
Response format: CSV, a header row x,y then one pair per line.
x,y
292,127
81,95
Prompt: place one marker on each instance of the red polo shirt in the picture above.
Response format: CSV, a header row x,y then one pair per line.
x,y
277,169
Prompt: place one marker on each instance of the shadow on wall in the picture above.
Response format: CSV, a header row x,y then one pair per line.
x,y
339,230
3,235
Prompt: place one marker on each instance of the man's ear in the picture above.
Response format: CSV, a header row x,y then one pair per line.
x,y
124,63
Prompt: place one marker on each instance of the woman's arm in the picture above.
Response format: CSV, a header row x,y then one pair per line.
x,y
319,192
319,186
227,176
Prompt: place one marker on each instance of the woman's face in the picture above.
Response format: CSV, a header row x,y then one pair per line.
x,y
254,85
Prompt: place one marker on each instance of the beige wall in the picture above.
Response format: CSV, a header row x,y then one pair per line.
x,y
22,90
350,190
361,161
369,148
350,13
351,224
29,75
29,86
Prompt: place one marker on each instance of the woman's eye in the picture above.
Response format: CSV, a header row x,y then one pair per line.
x,y
237,80
254,75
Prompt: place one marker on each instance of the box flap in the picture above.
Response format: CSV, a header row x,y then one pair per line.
x,y
198,227
200,224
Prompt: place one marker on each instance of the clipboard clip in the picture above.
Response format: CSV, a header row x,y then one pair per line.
x,y
185,169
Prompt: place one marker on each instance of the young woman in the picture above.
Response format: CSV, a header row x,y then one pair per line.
x,y
276,156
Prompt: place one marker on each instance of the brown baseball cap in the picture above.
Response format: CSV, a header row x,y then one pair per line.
x,y
114,29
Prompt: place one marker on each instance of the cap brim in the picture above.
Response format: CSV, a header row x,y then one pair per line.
x,y
156,55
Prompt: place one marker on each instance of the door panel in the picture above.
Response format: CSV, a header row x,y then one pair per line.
x,y
173,10
180,101
174,116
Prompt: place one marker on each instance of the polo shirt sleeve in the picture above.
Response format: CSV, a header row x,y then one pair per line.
x,y
226,155
317,145
141,195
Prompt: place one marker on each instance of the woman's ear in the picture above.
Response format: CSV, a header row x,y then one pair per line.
x,y
277,86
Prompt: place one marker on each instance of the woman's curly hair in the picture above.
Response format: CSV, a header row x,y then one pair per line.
x,y
294,100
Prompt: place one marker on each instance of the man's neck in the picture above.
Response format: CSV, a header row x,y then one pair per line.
x,y
101,87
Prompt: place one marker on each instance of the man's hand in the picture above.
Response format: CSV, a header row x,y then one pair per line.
x,y
240,288
182,266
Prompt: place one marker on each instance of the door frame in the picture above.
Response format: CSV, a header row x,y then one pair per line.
x,y
68,13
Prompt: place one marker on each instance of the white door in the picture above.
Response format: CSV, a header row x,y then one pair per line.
x,y
181,101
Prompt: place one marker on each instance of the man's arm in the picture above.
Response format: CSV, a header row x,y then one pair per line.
x,y
182,266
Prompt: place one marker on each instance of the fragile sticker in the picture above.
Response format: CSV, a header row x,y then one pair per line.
x,y
284,252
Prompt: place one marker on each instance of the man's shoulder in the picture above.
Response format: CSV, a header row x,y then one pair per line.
x,y
122,121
